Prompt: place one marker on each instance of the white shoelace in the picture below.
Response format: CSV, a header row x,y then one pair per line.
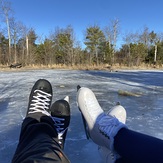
x,y
40,103
59,124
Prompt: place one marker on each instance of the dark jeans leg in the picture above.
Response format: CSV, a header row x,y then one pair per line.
x,y
138,148
38,142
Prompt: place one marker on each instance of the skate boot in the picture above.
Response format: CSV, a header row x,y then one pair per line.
x,y
40,99
119,112
60,112
106,154
102,128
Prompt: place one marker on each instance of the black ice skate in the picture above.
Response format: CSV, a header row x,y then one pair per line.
x,y
60,112
40,99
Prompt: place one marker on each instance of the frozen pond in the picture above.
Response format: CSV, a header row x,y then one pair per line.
x,y
144,113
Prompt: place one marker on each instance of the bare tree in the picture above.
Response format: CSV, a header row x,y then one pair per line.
x,y
15,35
108,34
129,39
154,40
22,41
144,37
111,33
25,31
71,37
6,11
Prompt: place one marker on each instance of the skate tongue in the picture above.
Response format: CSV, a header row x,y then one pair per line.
x,y
84,121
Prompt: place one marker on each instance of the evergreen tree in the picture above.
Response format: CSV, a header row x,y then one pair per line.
x,y
94,40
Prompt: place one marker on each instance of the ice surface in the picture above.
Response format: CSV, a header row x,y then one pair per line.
x,y
144,113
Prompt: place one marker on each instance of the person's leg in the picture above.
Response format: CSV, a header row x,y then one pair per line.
x,y
39,143
107,131
137,147
38,140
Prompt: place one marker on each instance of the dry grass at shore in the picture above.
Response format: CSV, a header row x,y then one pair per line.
x,y
106,67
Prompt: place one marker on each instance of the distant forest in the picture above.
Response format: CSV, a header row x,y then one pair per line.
x,y
21,44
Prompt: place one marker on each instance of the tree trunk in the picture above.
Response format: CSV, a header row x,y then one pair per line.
x,y
155,56
15,58
97,56
9,37
27,48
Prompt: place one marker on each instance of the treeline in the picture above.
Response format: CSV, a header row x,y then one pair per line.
x,y
20,44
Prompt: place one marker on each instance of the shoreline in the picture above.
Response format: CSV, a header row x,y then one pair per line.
x,y
81,67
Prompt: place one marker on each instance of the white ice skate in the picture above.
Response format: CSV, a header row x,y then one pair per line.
x,y
101,127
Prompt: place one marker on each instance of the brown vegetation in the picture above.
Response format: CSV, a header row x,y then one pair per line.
x,y
105,67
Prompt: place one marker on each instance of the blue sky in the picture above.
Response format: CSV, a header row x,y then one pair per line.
x,y
45,15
